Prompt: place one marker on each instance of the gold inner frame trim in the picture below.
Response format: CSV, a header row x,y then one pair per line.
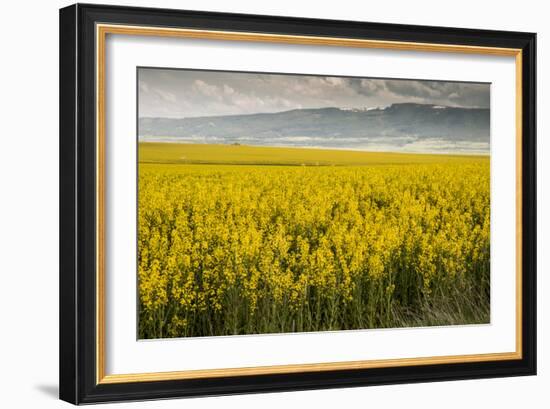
x,y
101,33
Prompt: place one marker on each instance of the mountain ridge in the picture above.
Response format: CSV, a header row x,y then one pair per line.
x,y
397,124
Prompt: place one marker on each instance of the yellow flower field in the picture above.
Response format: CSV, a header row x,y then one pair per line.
x,y
309,240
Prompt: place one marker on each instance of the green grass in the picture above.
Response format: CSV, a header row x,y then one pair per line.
x,y
181,153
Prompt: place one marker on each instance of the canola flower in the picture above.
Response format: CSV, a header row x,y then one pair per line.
x,y
233,249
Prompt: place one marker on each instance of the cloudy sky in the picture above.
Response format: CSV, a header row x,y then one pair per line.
x,y
189,93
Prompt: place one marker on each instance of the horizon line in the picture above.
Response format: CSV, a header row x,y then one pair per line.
x,y
344,149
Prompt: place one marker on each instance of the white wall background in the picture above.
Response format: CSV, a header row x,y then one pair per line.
x,y
29,203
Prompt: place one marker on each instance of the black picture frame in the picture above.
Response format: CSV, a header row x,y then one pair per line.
x,y
78,258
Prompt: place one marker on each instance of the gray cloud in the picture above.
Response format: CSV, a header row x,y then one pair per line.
x,y
191,93
445,93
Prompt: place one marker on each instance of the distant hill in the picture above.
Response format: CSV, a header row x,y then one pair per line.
x,y
399,125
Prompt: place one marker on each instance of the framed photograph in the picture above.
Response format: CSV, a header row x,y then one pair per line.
x,y
257,203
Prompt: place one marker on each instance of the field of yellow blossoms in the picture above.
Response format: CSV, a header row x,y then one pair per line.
x,y
267,247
